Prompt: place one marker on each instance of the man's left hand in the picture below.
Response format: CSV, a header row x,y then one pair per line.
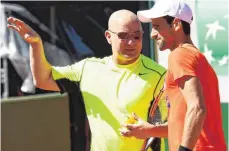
x,y
139,130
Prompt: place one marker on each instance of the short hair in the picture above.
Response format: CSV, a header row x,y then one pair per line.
x,y
186,25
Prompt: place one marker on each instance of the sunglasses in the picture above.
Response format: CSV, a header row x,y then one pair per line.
x,y
125,35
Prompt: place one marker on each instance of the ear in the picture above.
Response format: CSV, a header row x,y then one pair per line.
x,y
108,36
177,24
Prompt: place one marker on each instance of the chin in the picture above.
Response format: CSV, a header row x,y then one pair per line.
x,y
128,57
163,48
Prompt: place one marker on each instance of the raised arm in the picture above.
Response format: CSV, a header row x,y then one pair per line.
x,y
41,69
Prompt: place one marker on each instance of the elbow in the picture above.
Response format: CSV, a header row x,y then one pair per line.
x,y
202,109
199,111
38,83
202,112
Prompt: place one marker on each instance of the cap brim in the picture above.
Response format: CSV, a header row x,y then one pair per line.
x,y
144,16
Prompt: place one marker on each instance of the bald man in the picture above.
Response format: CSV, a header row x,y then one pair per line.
x,y
112,87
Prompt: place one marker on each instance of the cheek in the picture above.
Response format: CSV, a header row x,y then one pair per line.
x,y
139,45
120,44
117,45
167,36
170,39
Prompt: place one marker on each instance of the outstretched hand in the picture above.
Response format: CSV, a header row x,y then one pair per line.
x,y
138,130
24,30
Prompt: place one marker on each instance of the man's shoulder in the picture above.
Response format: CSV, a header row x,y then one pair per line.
x,y
151,66
184,52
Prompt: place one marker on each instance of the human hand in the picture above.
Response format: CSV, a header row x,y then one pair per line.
x,y
24,30
138,129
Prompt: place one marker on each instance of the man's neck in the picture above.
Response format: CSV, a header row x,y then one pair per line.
x,y
183,41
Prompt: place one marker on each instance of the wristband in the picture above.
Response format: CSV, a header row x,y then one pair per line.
x,y
181,148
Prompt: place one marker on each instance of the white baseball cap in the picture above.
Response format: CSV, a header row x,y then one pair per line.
x,y
173,8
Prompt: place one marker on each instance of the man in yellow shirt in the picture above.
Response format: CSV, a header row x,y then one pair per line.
x,y
112,87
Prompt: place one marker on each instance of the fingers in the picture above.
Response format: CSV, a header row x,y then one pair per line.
x,y
130,126
13,27
15,21
25,31
135,116
125,132
15,24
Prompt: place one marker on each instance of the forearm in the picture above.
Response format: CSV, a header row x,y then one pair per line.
x,y
194,121
40,67
158,130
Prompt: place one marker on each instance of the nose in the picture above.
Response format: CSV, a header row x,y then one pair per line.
x,y
131,41
154,34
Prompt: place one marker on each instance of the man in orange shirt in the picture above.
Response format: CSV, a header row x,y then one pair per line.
x,y
195,120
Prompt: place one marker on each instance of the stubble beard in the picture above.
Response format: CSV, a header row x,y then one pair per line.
x,y
161,45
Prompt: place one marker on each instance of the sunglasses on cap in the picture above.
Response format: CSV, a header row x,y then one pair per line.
x,y
125,35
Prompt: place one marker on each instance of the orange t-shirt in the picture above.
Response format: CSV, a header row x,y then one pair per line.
x,y
185,61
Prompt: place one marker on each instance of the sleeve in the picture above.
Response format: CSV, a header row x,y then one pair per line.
x,y
66,77
182,63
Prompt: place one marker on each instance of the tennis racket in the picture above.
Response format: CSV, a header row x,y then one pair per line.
x,y
157,115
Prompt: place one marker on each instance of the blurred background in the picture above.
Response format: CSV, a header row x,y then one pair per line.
x,y
72,31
